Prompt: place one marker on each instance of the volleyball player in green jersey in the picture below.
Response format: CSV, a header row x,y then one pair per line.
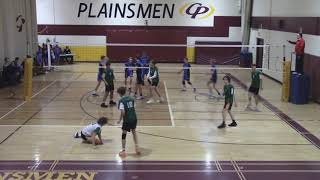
x,y
256,84
153,79
109,86
228,92
128,114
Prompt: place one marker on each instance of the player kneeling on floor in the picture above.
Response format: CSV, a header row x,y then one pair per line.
x,y
128,114
89,133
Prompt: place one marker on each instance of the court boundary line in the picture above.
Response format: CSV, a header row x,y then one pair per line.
x,y
81,126
24,102
173,124
170,171
314,140
26,121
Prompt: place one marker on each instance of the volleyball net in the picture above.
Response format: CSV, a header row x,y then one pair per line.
x,y
229,59
268,57
69,87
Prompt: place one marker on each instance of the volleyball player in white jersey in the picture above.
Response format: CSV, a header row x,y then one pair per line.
x,y
89,133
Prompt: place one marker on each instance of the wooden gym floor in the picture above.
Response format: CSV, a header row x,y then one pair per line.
x,y
181,133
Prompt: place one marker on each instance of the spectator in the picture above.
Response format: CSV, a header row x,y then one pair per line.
x,y
57,52
67,50
299,50
18,69
44,54
5,74
69,55
39,56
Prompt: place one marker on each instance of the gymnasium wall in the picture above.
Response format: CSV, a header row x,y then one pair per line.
x,y
221,23
18,28
84,48
277,21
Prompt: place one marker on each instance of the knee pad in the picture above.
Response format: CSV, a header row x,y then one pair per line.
x,y
189,83
124,136
183,82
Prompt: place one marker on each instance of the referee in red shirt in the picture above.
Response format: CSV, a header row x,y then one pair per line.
x,y
299,49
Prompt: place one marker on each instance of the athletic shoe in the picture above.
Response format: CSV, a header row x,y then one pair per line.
x,y
138,153
122,154
222,125
233,124
140,98
161,100
255,109
150,101
183,89
76,135
112,103
249,108
103,105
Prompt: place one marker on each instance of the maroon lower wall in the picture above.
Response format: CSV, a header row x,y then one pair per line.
x,y
309,25
146,35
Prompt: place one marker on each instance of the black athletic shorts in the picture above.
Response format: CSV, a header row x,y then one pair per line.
x,y
129,126
84,137
226,104
213,79
154,83
109,88
140,80
254,90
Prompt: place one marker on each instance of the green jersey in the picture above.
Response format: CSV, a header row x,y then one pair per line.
x,y
154,73
109,76
126,103
228,91
255,77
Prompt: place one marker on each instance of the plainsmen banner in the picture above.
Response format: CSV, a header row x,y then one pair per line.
x,y
129,12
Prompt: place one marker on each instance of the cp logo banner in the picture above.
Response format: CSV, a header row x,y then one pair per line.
x,y
197,10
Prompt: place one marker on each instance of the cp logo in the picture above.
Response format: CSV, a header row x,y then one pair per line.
x,y
197,10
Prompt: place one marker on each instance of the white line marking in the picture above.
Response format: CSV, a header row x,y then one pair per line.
x,y
17,107
173,124
13,110
45,88
79,126
237,170
172,171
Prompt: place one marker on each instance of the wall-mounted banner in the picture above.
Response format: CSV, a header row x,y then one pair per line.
x,y
127,12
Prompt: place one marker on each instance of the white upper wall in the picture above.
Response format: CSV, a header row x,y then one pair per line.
x,y
286,8
66,12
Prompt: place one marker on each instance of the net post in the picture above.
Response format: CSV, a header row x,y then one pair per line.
x,y
28,79
191,54
49,54
286,77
